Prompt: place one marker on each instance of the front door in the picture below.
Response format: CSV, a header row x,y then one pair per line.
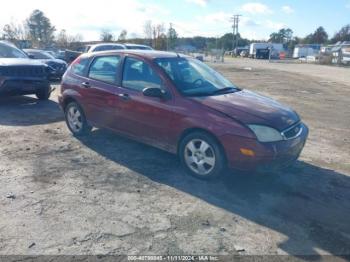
x,y
146,118
101,90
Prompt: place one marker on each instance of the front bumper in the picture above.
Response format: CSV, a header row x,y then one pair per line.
x,y
56,73
267,156
22,86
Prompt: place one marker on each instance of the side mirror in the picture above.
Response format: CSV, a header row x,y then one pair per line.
x,y
31,56
153,92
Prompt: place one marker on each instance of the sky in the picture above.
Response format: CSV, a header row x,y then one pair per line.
x,y
189,17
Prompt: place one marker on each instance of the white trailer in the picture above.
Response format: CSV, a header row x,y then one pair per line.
x,y
303,51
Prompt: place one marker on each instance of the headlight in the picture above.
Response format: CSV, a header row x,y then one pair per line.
x,y
265,133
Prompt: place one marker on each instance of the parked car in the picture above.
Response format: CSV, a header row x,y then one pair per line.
x,y
138,47
57,67
179,104
103,47
20,75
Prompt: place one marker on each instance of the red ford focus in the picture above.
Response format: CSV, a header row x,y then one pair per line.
x,y
180,105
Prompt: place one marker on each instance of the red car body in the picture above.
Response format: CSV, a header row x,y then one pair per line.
x,y
163,122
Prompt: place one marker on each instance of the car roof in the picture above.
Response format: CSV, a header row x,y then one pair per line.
x,y
149,54
33,50
101,44
131,44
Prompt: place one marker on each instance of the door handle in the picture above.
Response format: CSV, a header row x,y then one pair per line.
x,y
124,97
85,84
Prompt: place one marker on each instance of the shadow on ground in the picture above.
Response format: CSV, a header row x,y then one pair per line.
x,y
28,111
308,204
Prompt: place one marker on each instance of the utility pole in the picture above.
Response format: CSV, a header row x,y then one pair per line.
x,y
235,20
168,37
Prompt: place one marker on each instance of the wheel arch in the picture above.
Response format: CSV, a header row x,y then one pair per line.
x,y
188,131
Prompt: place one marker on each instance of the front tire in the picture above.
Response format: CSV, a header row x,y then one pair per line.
x,y
44,94
76,120
202,156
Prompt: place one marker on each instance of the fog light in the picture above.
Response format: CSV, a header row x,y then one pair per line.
x,y
247,152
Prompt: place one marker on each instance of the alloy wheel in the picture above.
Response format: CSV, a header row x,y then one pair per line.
x,y
199,156
74,118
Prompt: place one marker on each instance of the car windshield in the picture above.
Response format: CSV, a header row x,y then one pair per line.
x,y
7,51
194,78
40,55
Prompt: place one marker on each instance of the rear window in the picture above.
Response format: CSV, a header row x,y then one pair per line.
x,y
105,69
108,47
79,66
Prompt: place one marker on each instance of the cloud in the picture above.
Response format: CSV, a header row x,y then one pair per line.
x,y
246,21
89,20
287,9
275,25
202,3
256,8
219,17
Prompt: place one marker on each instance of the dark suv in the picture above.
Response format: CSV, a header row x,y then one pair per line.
x,y
20,75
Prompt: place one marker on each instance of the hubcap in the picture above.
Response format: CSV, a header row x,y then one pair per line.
x,y
199,157
74,119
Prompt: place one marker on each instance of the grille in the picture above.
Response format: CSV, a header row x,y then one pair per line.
x,y
23,71
292,131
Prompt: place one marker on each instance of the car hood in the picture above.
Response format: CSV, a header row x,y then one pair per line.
x,y
20,62
251,108
56,61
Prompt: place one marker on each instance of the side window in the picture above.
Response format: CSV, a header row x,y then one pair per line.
x,y
104,68
138,75
78,67
167,67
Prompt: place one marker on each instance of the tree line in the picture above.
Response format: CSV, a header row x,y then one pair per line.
x,y
38,29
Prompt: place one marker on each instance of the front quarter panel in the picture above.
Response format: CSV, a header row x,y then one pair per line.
x,y
202,117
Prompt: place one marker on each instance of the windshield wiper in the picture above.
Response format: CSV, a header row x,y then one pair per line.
x,y
200,94
225,90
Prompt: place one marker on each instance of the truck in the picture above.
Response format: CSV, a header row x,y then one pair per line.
x,y
262,50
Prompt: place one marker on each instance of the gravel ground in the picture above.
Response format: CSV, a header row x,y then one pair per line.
x,y
105,194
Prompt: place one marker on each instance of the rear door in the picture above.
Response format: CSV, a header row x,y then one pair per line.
x,y
100,94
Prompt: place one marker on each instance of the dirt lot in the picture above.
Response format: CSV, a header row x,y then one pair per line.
x,y
108,195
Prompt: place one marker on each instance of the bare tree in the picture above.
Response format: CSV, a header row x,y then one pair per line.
x,y
13,32
106,36
147,29
65,40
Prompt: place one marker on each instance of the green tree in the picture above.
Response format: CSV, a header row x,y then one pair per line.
x,y
122,35
283,36
320,36
172,37
342,35
225,42
40,29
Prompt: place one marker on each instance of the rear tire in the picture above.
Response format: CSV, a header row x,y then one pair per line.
x,y
76,120
202,156
44,94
